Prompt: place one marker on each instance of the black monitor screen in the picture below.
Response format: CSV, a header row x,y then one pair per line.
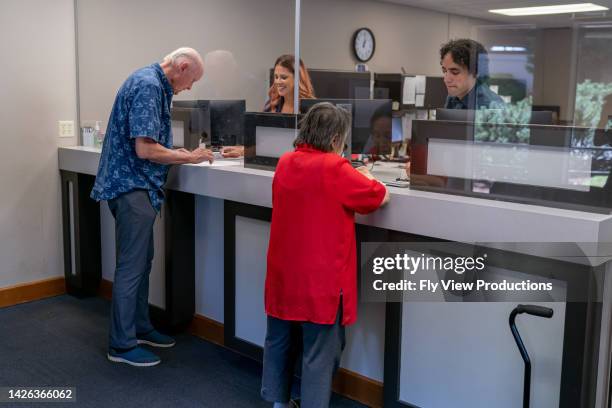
x,y
435,93
468,115
195,116
459,115
372,127
227,122
388,86
337,84
541,117
371,123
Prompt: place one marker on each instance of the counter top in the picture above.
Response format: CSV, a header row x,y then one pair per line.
x,y
444,216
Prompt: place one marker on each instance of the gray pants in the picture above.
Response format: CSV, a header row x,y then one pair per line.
x,y
134,219
321,349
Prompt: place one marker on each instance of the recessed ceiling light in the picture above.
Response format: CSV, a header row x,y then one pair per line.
x,y
556,9
505,48
596,26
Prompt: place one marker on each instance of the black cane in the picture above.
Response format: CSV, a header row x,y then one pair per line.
x,y
536,311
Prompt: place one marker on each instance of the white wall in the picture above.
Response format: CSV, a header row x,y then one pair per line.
x,y
405,36
256,32
116,37
38,86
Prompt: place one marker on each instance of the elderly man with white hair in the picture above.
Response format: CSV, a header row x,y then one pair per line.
x,y
136,155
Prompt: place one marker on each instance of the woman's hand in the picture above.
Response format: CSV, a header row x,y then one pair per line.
x,y
232,151
364,170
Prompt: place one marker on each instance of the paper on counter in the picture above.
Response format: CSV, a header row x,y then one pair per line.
x,y
221,163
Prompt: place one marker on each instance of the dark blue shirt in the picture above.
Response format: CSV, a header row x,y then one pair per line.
x,y
141,109
480,97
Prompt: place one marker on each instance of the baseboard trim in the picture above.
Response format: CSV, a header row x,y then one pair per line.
x,y
106,289
348,383
208,329
31,291
359,388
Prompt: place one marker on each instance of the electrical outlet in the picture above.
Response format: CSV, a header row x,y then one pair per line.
x,y
66,128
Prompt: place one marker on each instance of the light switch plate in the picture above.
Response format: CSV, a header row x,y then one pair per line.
x,y
66,128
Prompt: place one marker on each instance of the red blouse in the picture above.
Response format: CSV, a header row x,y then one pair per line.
x,y
312,257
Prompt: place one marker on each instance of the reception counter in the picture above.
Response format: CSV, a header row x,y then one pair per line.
x,y
212,262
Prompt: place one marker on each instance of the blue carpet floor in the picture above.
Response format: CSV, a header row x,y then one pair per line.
x,y
62,341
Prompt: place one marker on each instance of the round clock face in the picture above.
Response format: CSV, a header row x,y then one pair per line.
x,y
364,44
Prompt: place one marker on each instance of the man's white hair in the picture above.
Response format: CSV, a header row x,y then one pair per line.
x,y
185,53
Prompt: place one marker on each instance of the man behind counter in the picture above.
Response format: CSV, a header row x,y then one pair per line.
x,y
464,65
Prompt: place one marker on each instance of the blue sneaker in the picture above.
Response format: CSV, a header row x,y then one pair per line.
x,y
155,339
137,357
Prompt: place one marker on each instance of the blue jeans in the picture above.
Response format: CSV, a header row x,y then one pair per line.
x,y
321,349
134,219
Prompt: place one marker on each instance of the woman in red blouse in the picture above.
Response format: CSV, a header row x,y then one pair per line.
x,y
311,281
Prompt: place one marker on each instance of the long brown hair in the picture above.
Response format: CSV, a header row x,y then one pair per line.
x,y
306,90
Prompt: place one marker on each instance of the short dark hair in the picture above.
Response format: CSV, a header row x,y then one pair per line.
x,y
468,53
321,124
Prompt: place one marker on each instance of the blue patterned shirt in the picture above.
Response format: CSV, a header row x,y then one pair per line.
x,y
141,109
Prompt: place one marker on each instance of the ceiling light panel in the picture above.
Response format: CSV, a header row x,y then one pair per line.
x,y
553,9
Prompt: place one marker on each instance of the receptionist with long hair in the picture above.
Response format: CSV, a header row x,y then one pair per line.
x,y
281,93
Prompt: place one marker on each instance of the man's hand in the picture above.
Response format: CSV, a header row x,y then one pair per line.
x,y
232,151
199,155
148,149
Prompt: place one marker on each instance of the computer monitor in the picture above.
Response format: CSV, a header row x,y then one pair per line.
x,y
371,124
553,108
218,122
337,84
227,122
388,86
541,117
469,115
435,93
457,115
190,122
267,136
340,84
372,127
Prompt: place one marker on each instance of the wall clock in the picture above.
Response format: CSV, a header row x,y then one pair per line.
x,y
364,44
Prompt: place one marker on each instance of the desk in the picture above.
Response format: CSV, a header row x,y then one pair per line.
x,y
245,196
